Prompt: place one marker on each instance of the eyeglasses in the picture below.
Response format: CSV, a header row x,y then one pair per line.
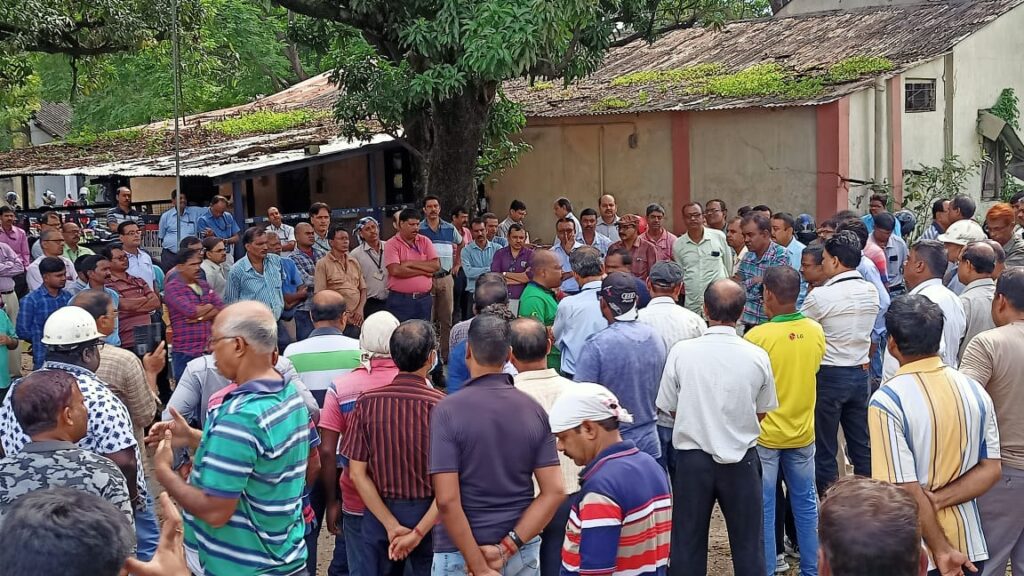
x,y
53,240
212,341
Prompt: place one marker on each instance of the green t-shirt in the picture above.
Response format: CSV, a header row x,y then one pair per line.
x,y
539,302
7,329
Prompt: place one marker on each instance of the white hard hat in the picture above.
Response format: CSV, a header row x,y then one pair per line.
x,y
68,326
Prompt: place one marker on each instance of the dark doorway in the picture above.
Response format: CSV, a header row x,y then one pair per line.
x,y
293,191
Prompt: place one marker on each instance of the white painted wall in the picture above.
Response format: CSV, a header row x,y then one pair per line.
x,y
923,131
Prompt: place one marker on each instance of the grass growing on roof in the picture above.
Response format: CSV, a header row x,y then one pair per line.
x,y
87,137
852,68
695,73
264,122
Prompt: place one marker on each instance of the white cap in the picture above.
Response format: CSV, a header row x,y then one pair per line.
x,y
585,401
962,232
68,326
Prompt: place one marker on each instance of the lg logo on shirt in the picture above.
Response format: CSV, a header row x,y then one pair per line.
x,y
794,336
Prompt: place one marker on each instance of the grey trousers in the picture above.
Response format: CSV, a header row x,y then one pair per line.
x,y
1003,522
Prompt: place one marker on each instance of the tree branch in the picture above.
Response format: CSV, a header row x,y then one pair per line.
x,y
688,23
317,9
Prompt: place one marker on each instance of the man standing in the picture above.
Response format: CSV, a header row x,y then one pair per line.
x,y
216,221
812,268
10,361
877,204
12,235
579,316
490,289
530,351
283,231
566,231
40,304
563,209
795,345
717,389
657,234
487,445
340,272
320,218
491,228
621,521
258,277
538,300
940,220
447,242
628,358
643,252
326,354
996,360
703,255
49,220
370,255
1000,220
846,307
248,457
609,217
305,256
391,476
53,247
591,237
411,262
977,263
762,253
72,236
477,257
734,237
293,285
94,274
135,298
896,251
516,215
513,263
783,233
923,274
140,263
920,439
716,215
123,212
169,233
961,207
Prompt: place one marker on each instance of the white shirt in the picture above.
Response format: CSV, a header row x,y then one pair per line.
x,y
953,326
670,321
846,307
285,232
141,266
35,278
717,385
546,386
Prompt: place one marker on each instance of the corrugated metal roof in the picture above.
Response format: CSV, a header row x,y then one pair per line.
x,y
805,44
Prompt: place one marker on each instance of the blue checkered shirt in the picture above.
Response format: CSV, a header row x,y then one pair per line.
x,y
36,307
307,269
753,267
245,283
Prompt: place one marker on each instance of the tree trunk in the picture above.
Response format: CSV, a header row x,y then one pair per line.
x,y
449,137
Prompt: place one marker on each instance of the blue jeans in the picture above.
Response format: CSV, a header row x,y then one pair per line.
x,y
303,325
875,364
405,307
525,562
375,541
147,531
843,393
178,362
797,466
667,459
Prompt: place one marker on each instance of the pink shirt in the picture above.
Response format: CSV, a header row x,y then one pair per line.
x,y
340,400
18,242
397,251
663,245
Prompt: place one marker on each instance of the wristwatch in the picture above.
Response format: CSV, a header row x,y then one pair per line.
x,y
515,539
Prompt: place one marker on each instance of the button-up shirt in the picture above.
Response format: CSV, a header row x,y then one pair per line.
x,y
130,287
285,232
663,244
504,261
168,229
35,278
996,360
645,256
16,240
223,226
954,323
123,373
1014,252
896,253
795,252
702,262
345,278
10,266
845,306
245,283
476,261
751,267
35,308
115,216
609,230
114,338
715,386
578,317
670,321
977,300
870,273
306,265
601,243
182,300
397,251
371,262
140,265
569,285
215,276
546,386
73,255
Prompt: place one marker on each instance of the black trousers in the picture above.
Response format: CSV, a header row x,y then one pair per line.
x,y
699,483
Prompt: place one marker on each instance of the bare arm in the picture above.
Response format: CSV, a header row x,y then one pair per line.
x,y
374,503
312,466
517,278
449,504
542,509
213,510
976,482
947,559
329,476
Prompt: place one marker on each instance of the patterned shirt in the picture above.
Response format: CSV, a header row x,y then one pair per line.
x,y
245,283
446,241
663,245
123,373
115,216
752,267
130,287
622,521
109,428
254,448
306,265
35,308
601,243
42,465
182,300
390,431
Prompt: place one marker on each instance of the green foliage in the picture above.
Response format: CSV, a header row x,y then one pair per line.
x,y
698,73
611,103
768,79
852,68
263,122
927,184
499,151
1011,187
1006,108
88,137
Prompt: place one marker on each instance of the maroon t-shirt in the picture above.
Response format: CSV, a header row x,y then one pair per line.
x,y
503,261
494,436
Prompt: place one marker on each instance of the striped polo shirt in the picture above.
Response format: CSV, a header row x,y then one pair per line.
x,y
446,240
931,424
254,448
325,355
623,518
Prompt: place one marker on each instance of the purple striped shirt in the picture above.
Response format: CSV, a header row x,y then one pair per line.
x,y
504,262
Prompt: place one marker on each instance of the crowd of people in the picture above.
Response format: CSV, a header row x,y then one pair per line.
x,y
461,399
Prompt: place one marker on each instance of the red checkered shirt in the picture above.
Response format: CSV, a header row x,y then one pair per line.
x,y
189,337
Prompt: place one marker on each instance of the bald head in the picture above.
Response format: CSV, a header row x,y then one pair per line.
x,y
328,310
543,258
487,293
529,344
250,320
723,301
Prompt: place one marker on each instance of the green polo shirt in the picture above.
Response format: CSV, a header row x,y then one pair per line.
x,y
539,302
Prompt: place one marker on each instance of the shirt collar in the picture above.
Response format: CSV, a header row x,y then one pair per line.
x,y
325,331
624,448
933,282
538,374
788,317
48,446
591,285
661,300
498,380
929,364
980,282
70,368
258,386
719,329
842,275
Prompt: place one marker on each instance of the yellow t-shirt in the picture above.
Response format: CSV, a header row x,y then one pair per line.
x,y
795,345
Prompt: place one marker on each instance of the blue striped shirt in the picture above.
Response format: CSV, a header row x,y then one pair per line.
x,y
446,241
245,283
36,307
476,261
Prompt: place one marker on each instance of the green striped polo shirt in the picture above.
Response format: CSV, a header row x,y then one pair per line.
x,y
254,448
322,357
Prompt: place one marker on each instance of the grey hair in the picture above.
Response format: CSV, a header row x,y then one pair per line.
x,y
259,330
586,261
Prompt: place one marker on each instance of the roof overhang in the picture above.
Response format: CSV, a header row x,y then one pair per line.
x,y
995,129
